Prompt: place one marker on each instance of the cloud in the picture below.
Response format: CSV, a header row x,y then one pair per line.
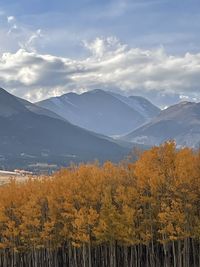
x,y
21,36
10,19
30,43
110,65
101,46
13,28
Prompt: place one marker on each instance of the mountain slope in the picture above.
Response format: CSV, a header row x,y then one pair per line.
x,y
141,104
39,110
100,111
9,106
180,122
24,132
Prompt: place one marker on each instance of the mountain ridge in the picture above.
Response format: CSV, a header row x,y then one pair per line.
x,y
100,111
180,122
25,133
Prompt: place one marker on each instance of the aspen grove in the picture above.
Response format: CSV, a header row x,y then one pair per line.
x,y
142,213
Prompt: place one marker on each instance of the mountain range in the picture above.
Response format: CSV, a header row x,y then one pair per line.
x,y
32,133
131,119
93,125
102,111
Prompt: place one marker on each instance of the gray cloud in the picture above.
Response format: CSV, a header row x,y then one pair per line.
x,y
110,65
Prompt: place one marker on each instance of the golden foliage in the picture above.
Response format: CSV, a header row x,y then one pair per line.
x,y
153,199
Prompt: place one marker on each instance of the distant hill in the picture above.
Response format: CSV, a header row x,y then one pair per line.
x,y
101,111
31,132
180,122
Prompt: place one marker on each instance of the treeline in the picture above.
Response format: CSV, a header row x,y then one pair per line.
x,y
141,214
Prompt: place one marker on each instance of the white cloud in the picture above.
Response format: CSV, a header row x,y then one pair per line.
x,y
101,46
13,29
20,35
29,44
111,65
10,19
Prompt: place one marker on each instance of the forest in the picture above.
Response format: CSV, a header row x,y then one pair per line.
x,y
143,213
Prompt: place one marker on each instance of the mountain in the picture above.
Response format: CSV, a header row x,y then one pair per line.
x,y
9,106
101,111
141,104
33,133
180,122
39,110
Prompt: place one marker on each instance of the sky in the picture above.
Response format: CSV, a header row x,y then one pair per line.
x,y
135,47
